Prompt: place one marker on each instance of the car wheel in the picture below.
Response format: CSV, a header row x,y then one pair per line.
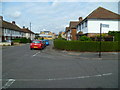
x,y
31,48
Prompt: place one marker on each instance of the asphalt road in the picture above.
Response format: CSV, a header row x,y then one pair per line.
x,y
50,68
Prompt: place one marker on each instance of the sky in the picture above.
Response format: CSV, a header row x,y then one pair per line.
x,y
51,16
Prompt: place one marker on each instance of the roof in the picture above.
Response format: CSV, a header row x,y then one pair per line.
x,y
67,29
26,30
102,13
9,25
73,24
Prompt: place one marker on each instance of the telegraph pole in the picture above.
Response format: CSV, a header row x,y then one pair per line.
x,y
30,26
30,30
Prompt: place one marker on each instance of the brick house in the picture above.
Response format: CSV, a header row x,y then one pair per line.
x,y
71,31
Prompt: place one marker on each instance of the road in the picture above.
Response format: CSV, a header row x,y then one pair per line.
x,y
50,68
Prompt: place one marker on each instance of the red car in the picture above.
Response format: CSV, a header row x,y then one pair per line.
x,y
37,44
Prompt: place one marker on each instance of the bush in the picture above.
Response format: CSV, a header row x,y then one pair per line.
x,y
93,46
22,40
116,35
85,38
60,39
16,40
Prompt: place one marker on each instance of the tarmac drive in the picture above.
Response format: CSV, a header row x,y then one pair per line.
x,y
50,68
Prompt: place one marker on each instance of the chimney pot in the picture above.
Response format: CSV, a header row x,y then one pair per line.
x,y
13,22
1,17
23,26
80,18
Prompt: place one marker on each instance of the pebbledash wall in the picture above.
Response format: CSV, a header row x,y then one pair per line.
x,y
93,26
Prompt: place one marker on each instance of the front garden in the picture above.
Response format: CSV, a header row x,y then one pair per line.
x,y
86,44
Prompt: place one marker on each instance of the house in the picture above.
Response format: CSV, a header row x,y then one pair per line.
x,y
91,24
9,30
71,31
28,33
67,33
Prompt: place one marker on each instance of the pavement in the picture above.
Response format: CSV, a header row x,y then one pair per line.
x,y
51,68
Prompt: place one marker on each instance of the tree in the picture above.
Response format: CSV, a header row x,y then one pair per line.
x,y
36,36
59,36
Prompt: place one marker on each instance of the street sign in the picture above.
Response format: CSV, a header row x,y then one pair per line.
x,y
105,25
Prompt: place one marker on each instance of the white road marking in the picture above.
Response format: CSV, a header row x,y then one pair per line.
x,y
107,74
66,78
9,83
98,75
36,54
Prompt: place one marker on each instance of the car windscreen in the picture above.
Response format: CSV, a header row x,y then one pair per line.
x,y
36,41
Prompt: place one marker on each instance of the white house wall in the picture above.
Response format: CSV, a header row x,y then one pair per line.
x,y
94,26
8,32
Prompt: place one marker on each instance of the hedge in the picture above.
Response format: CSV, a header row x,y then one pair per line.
x,y
22,40
92,46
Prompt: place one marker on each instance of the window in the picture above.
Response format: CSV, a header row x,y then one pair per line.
x,y
5,30
12,32
86,23
82,25
36,41
8,31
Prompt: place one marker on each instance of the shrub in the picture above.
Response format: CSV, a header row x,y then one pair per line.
x,y
86,45
60,39
22,40
116,35
85,38
16,40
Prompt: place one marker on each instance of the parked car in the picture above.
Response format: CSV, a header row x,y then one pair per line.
x,y
46,42
10,41
37,44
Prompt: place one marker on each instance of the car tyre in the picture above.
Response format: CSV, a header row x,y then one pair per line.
x,y
31,48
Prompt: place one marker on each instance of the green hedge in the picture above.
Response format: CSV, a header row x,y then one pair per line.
x,y
91,46
22,40
16,40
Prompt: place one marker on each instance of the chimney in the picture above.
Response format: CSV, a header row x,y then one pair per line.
x,y
23,26
80,18
13,22
1,17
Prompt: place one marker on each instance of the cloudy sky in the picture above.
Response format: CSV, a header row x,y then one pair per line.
x,y
50,15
